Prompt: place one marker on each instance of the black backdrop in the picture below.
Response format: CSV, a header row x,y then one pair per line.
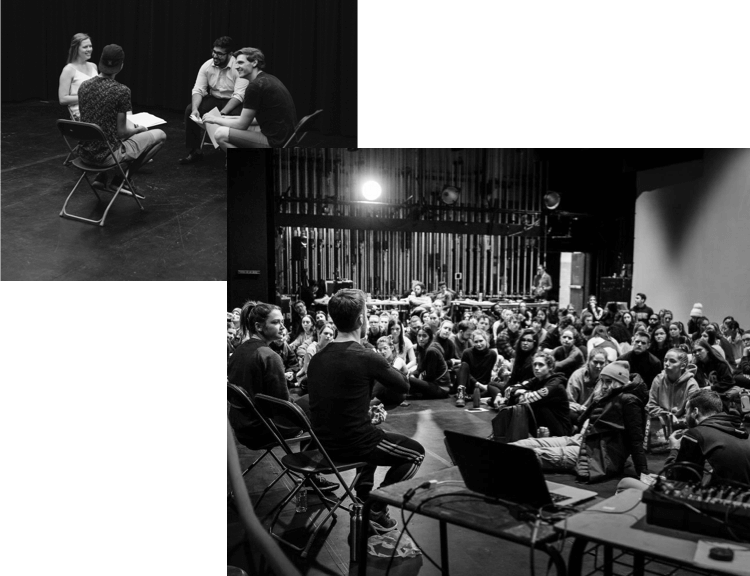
x,y
311,45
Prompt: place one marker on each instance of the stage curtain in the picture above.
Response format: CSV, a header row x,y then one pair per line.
x,y
311,45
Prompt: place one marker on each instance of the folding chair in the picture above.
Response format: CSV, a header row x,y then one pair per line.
x,y
302,123
307,464
240,400
74,151
86,131
265,556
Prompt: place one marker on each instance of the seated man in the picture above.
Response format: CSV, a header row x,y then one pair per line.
x,y
266,99
712,436
641,361
341,379
218,85
418,300
613,422
105,102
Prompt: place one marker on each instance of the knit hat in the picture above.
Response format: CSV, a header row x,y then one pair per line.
x,y
618,370
697,310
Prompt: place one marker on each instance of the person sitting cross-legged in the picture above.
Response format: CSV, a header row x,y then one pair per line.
x,y
476,367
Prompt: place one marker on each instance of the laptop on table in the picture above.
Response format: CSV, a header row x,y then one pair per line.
x,y
508,473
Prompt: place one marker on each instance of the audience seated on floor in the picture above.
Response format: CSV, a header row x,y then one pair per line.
x,y
431,378
714,438
668,397
521,370
546,393
583,381
326,335
612,430
568,357
381,393
641,361
476,368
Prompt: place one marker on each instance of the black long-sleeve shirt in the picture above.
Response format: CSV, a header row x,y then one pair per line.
x,y
340,379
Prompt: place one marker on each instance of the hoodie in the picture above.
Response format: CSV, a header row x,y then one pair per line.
x,y
666,395
723,441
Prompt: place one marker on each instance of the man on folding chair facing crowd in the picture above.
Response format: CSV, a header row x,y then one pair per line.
x,y
105,102
340,379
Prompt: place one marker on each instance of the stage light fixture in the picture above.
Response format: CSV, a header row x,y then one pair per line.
x,y
449,195
551,200
371,190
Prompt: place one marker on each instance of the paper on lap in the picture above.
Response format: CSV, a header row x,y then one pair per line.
x,y
145,119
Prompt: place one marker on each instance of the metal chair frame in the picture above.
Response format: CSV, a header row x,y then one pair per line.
x,y
85,131
308,464
306,120
240,400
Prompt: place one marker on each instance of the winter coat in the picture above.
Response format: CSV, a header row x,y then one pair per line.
x,y
617,424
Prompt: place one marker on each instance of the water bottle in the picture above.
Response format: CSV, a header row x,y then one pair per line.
x,y
355,531
475,398
301,501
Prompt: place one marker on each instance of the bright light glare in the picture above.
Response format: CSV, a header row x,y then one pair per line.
x,y
371,190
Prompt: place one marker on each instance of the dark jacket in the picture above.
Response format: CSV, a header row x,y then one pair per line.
x,y
716,374
432,366
617,425
549,402
645,364
569,361
722,440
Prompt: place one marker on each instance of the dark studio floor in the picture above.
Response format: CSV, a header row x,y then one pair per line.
x,y
470,553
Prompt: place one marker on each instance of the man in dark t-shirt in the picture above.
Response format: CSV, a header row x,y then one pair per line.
x,y
268,104
340,379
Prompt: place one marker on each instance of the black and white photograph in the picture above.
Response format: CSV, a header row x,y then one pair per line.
x,y
483,360
117,117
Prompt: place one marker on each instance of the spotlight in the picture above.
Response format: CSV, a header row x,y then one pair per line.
x,y
551,200
371,190
449,195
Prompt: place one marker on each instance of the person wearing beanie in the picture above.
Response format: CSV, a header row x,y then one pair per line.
x,y
612,424
695,317
105,102
618,370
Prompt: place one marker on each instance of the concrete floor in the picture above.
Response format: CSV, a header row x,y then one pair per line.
x,y
470,553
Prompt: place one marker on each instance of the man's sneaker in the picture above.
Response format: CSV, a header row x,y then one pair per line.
x,y
323,484
382,522
191,158
461,397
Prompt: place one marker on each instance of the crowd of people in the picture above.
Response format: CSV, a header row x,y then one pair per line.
x,y
605,385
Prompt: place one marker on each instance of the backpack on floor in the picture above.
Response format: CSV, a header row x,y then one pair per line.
x,y
513,423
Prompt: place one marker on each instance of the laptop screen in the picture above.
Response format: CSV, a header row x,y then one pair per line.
x,y
499,471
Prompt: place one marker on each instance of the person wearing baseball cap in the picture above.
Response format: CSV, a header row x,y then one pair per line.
x,y
105,102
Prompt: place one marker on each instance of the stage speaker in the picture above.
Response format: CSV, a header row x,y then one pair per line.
x,y
299,248
614,290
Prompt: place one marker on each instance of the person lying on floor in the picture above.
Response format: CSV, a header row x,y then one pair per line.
x,y
612,429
